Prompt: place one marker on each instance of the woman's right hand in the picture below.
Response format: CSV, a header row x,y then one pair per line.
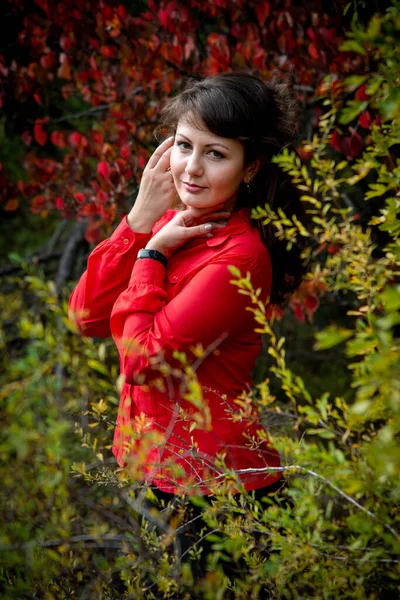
x,y
157,190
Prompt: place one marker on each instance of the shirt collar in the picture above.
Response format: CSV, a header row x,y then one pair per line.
x,y
237,224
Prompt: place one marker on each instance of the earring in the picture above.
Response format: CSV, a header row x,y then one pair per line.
x,y
247,182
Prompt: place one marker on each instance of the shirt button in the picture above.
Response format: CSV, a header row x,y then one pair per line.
x,y
175,278
126,241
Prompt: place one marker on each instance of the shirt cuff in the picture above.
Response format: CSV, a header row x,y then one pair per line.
x,y
126,239
148,271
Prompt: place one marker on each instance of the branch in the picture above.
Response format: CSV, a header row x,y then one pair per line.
x,y
94,109
299,469
68,255
74,539
31,260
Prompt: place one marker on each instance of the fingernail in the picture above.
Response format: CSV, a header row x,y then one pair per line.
x,y
207,227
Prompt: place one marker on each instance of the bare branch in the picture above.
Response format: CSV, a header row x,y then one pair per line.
x,y
299,469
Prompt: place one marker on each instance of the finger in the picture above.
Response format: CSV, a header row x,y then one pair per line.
x,y
160,153
199,230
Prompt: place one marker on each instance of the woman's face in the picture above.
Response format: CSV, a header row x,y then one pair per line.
x,y
207,169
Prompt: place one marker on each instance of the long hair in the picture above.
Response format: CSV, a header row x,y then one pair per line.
x,y
263,117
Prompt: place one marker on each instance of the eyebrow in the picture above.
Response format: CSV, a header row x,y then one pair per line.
x,y
207,145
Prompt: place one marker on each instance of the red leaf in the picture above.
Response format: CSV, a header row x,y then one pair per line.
x,y
38,203
39,133
108,51
163,17
103,169
298,311
93,233
125,151
361,94
365,119
80,197
311,303
65,43
311,34
305,155
262,11
64,71
57,139
312,51
102,196
122,12
37,98
60,203
11,205
333,249
329,35
335,140
48,61
355,145
75,139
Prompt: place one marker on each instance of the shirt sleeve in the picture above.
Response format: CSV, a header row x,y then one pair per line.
x,y
147,327
108,271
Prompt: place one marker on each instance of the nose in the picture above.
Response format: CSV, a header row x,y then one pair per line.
x,y
194,165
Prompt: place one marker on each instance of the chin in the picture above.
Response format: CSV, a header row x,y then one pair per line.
x,y
192,203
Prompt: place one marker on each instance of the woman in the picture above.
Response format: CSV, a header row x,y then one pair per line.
x,y
160,285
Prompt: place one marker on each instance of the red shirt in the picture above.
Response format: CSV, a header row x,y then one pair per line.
x,y
152,312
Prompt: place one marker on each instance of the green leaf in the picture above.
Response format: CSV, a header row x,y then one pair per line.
x,y
352,46
374,28
391,298
332,336
321,432
351,111
375,189
373,85
98,366
354,81
390,105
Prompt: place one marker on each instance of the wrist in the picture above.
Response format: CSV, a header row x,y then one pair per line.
x,y
152,245
139,223
153,255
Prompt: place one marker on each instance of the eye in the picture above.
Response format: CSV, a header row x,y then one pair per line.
x,y
183,145
216,154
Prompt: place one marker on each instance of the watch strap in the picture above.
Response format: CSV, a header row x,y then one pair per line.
x,y
154,255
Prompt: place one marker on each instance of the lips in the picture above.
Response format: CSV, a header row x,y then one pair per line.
x,y
192,187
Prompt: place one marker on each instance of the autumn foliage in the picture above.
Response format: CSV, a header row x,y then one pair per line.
x,y
81,84
86,80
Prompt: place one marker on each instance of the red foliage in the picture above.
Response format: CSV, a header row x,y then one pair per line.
x,y
39,133
350,145
115,69
365,119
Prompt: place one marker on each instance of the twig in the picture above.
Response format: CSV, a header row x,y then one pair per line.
x,y
94,109
198,542
300,469
74,539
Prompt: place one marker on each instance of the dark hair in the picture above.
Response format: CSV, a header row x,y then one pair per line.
x,y
263,117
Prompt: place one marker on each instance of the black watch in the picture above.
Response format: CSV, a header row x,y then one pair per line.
x,y
153,254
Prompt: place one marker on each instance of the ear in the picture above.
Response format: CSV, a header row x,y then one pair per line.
x,y
252,169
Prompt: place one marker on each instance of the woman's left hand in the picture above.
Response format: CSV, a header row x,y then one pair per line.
x,y
187,224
